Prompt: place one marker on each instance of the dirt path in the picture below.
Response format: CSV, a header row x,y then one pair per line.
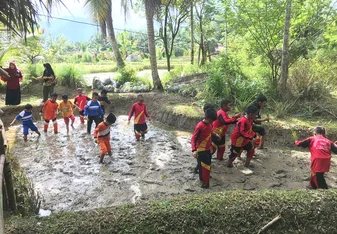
x,y
65,170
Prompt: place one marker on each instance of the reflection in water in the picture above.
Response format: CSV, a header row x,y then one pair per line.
x,y
64,167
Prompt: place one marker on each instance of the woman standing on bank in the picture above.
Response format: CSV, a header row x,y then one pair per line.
x,y
48,78
13,92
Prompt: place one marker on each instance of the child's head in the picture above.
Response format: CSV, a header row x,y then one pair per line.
x,y
79,91
261,100
225,105
104,93
53,97
210,115
251,112
319,131
208,106
94,96
140,99
110,119
65,98
28,107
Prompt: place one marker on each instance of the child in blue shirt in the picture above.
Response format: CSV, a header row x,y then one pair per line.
x,y
93,110
26,120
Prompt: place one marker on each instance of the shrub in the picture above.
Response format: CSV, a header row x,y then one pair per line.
x,y
69,75
309,79
126,74
226,80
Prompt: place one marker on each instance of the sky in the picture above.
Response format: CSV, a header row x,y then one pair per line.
x,y
79,32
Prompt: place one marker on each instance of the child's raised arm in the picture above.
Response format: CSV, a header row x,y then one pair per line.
x,y
303,143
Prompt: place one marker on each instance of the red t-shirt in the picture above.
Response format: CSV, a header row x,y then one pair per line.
x,y
243,132
320,149
221,124
140,112
202,137
81,101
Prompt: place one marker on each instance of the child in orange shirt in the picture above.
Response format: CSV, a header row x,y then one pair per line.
x,y
66,107
50,112
102,135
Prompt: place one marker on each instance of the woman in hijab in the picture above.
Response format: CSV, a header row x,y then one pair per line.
x,y
48,78
13,92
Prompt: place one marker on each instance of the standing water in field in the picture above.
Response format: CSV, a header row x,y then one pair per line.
x,y
64,167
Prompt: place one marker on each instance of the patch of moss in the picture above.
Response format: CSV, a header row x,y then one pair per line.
x,y
302,211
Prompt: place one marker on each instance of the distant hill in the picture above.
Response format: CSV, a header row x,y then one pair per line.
x,y
72,31
81,32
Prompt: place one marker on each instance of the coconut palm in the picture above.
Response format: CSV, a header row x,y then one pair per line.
x,y
102,13
150,8
20,16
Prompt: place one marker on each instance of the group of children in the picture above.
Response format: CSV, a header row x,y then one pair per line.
x,y
209,137
91,108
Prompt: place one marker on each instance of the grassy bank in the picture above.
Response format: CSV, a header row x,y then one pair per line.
x,y
227,212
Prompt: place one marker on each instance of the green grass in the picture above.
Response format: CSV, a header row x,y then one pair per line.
x,y
225,212
186,110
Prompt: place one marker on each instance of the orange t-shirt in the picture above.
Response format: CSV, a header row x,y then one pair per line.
x,y
66,108
102,131
50,110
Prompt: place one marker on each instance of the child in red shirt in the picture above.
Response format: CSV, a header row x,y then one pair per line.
x,y
201,144
140,111
81,100
220,126
102,135
242,137
50,112
320,149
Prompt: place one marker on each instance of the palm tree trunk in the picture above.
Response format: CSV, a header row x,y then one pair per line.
x,y
149,11
102,25
282,85
112,39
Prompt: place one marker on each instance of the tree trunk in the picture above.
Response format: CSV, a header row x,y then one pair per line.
x,y
202,44
167,55
102,25
112,38
192,34
282,84
149,11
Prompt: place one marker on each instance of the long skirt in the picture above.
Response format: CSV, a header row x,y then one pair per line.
x,y
13,97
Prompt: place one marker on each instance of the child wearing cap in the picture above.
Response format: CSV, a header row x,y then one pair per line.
x,y
102,135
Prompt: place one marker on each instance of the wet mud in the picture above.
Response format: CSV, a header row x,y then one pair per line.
x,y
64,167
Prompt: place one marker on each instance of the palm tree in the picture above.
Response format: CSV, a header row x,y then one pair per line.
x,y
20,16
150,7
101,10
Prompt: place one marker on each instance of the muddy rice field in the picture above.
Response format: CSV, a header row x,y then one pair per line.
x,y
65,171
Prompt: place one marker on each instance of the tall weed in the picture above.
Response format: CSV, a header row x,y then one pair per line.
x,y
69,75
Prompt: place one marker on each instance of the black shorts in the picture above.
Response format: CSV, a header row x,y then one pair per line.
x,y
259,129
237,150
216,141
140,127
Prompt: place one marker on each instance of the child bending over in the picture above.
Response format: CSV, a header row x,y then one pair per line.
x,y
102,135
26,120
320,148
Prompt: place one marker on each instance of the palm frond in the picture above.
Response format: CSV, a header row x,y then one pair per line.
x,y
20,16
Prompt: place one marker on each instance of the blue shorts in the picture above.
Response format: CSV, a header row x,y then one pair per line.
x,y
28,126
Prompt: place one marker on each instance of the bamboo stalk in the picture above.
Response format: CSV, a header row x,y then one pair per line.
x,y
265,227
